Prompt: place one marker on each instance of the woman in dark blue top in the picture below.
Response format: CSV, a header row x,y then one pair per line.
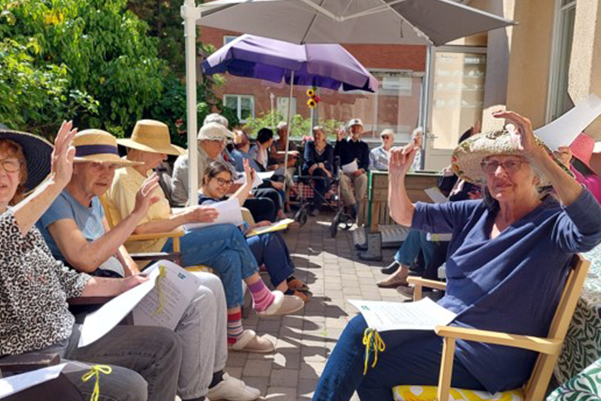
x,y
318,162
269,249
507,265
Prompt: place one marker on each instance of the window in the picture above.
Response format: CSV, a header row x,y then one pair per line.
x,y
282,106
558,101
242,105
228,38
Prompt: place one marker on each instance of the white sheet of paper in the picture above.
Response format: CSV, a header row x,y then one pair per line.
x,y
98,323
563,131
17,383
351,167
597,148
242,179
265,175
387,316
229,213
277,226
435,194
178,286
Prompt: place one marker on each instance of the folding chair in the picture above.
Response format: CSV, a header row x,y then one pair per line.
x,y
549,347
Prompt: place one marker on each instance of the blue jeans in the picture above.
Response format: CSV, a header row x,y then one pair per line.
x,y
415,242
271,250
224,248
411,357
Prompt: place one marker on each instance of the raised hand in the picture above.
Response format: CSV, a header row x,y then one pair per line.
x,y
63,154
523,129
340,132
249,173
144,197
564,154
401,158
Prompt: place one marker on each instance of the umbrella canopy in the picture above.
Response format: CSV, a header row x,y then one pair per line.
x,y
321,65
415,22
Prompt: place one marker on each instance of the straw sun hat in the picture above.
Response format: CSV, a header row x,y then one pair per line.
x,y
468,156
94,145
38,154
151,136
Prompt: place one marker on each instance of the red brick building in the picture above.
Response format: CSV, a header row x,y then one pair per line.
x,y
400,70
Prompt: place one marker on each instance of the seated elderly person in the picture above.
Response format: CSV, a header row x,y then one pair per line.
x,y
318,162
35,287
77,231
509,257
269,249
378,157
221,247
353,149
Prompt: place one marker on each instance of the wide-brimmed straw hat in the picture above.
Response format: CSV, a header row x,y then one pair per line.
x,y
94,145
151,136
467,157
38,154
582,148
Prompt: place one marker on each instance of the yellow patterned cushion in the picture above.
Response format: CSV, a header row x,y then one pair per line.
x,y
428,393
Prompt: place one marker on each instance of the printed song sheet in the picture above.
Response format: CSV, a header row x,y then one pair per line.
x,y
177,287
277,226
387,316
17,383
351,167
229,213
565,129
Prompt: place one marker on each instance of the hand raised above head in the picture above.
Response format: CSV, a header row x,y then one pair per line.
x,y
401,158
523,128
63,154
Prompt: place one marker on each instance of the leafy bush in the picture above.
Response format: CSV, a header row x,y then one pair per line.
x,y
299,126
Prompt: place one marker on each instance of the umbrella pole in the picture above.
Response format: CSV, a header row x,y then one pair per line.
x,y
191,15
288,120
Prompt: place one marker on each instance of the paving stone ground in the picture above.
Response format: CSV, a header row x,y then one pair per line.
x,y
331,267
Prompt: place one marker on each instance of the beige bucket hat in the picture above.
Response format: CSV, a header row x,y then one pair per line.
x,y
151,136
94,145
468,156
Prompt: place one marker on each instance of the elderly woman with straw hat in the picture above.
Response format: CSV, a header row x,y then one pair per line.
x,y
77,231
222,247
506,265
34,287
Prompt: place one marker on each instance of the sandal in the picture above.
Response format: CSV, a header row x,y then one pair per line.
x,y
305,296
296,284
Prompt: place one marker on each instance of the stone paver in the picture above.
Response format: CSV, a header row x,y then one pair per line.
x,y
303,341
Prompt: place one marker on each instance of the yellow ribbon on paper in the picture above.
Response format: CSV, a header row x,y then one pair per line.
x,y
159,287
373,342
95,371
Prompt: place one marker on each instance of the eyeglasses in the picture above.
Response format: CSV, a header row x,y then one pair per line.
x,y
224,183
510,166
10,165
385,137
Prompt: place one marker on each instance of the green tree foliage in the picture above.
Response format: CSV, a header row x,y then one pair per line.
x,y
299,126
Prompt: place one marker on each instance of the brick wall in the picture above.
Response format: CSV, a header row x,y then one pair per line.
x,y
392,111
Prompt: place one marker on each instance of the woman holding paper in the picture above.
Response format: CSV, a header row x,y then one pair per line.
x,y
507,262
222,247
269,249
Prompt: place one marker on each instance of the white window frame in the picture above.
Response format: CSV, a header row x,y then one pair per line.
x,y
228,38
239,104
556,50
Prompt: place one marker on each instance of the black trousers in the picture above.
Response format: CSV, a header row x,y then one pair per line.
x,y
262,208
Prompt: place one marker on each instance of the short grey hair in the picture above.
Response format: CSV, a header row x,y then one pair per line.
x,y
216,118
282,125
415,131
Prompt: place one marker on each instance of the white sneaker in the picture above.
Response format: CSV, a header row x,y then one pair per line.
x,y
232,389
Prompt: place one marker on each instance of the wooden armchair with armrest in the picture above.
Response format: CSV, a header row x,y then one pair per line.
x,y
549,348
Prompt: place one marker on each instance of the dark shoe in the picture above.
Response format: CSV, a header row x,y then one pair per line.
x,y
394,266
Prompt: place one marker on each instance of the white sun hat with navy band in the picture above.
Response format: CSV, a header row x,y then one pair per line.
x,y
94,145
38,155
468,156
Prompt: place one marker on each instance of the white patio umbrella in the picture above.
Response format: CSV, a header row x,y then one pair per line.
x,y
416,22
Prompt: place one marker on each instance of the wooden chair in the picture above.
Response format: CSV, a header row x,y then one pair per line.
x,y
549,348
174,256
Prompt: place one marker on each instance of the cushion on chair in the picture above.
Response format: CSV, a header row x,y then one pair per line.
x,y
428,393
